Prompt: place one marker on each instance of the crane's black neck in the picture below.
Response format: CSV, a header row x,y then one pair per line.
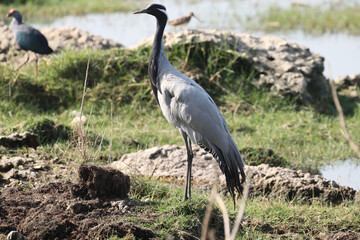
x,y
157,47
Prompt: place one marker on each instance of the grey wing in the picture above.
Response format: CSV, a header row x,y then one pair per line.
x,y
200,114
202,121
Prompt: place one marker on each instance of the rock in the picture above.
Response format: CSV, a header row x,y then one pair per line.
x,y
169,161
17,140
78,121
348,81
286,68
7,163
346,235
75,113
289,184
100,182
15,235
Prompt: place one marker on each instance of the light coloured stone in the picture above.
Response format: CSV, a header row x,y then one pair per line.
x,y
64,37
169,161
287,68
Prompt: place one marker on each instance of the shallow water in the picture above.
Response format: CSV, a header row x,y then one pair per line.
x,y
341,51
346,173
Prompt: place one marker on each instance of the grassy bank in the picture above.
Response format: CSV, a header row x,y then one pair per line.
x,y
319,19
122,117
48,10
118,86
264,218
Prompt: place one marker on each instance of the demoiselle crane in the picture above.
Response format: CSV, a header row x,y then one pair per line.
x,y
27,37
188,107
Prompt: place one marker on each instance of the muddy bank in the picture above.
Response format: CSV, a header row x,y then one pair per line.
x,y
89,209
169,162
92,208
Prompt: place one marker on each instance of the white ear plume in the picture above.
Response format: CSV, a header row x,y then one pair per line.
x,y
164,11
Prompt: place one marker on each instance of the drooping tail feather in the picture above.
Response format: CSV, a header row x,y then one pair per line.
x,y
230,163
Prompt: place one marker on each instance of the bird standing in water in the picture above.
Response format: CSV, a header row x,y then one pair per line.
x,y
187,106
183,21
28,38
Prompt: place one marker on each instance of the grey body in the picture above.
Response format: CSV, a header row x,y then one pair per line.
x,y
188,107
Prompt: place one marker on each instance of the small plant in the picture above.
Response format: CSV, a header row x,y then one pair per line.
x,y
48,131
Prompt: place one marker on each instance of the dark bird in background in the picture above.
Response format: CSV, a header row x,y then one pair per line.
x,y
183,21
188,107
28,38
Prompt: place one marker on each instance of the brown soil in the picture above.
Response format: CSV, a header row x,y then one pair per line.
x,y
90,209
95,207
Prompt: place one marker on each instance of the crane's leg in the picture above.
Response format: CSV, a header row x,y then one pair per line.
x,y
189,162
27,59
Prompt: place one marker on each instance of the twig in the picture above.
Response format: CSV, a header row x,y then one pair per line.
x,y
345,132
241,212
107,64
187,58
85,82
187,234
99,147
137,84
82,137
209,208
111,134
153,171
225,215
215,197
88,121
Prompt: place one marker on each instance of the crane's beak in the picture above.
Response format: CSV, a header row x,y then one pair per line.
x,y
8,15
140,11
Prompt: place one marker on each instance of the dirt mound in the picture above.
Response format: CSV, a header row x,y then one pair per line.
x,y
18,140
64,210
99,182
170,161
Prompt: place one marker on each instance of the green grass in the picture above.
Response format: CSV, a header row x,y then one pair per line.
x,y
159,207
119,106
306,137
319,19
48,10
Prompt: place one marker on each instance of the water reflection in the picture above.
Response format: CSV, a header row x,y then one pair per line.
x,y
346,173
341,51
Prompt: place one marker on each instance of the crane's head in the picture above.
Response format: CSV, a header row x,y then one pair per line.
x,y
157,10
14,13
